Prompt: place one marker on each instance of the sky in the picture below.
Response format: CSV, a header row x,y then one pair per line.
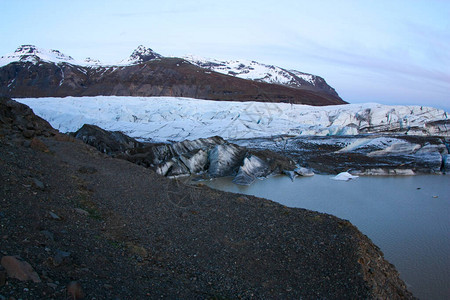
x,y
390,52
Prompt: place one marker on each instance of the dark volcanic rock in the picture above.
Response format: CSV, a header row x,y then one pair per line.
x,y
108,142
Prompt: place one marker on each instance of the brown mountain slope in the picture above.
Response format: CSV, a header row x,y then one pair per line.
x,y
121,231
161,77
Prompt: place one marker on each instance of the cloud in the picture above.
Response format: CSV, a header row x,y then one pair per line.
x,y
380,61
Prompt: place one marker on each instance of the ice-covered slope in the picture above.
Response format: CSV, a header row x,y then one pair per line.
x,y
177,119
253,70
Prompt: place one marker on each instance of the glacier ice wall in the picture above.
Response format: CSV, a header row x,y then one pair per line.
x,y
162,119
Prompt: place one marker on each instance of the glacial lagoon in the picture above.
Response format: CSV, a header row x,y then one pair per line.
x,y
408,217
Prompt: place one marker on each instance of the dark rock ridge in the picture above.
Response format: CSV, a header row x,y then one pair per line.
x,y
371,154
148,75
209,157
109,229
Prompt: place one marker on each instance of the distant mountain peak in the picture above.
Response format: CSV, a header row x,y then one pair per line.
x,y
143,54
26,50
31,53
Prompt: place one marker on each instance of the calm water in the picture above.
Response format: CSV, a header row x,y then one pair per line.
x,y
407,217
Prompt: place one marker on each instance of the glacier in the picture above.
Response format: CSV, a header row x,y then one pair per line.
x,y
168,119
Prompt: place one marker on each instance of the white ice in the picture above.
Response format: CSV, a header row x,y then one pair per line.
x,y
176,119
344,176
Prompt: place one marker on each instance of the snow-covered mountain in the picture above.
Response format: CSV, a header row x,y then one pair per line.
x,y
33,54
256,71
244,69
35,72
176,119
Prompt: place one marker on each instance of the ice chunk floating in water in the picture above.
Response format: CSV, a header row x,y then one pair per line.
x,y
344,176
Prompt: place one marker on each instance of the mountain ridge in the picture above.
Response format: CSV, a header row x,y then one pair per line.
x,y
32,71
264,73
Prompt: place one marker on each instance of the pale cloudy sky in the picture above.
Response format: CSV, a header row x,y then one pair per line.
x,y
386,51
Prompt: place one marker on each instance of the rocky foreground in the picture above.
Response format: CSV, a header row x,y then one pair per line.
x,y
76,222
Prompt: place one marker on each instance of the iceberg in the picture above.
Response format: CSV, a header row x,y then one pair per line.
x,y
344,176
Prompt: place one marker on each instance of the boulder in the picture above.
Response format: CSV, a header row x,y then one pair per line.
x,y
19,269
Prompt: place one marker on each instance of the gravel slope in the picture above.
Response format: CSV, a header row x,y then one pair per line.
x,y
121,231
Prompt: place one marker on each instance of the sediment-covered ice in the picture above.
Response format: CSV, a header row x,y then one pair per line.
x,y
252,168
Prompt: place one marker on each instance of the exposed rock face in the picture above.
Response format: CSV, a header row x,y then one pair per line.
x,y
31,74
